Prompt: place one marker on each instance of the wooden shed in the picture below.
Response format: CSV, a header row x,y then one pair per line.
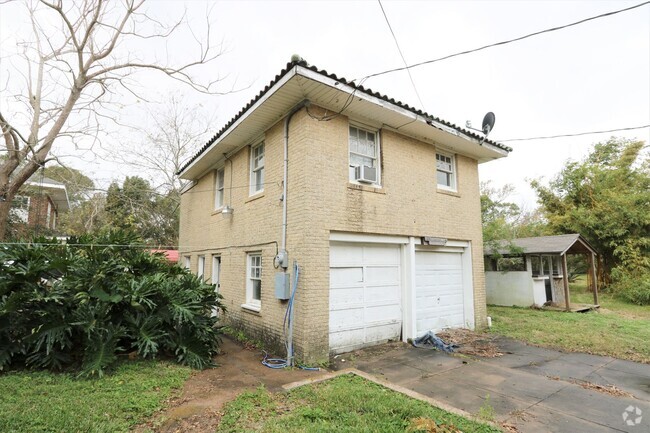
x,y
537,274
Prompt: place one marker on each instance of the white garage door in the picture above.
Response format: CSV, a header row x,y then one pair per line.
x,y
365,295
439,299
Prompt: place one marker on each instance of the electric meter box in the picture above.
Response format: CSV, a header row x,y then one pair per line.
x,y
283,285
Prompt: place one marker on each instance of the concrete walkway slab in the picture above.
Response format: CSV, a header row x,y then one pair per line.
x,y
596,408
536,389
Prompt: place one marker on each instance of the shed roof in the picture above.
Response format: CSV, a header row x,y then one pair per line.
x,y
558,244
299,81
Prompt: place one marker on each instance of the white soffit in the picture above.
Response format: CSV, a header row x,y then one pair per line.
x,y
302,83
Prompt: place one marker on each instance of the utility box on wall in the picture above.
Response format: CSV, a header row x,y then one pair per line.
x,y
283,285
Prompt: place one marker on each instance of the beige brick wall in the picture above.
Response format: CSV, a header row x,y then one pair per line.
x,y
256,226
321,200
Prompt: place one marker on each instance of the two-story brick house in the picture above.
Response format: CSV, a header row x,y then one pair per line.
x,y
37,206
380,209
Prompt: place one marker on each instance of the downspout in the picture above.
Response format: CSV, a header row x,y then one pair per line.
x,y
283,258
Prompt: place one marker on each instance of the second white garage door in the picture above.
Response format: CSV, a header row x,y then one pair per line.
x,y
365,295
439,300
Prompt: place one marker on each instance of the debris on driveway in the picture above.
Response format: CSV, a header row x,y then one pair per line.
x,y
606,389
471,343
432,341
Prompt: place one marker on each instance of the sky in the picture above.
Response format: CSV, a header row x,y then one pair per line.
x,y
591,77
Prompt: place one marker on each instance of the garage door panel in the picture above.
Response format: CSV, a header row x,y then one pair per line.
x,y
345,339
346,277
382,314
382,274
382,294
438,291
380,255
346,319
382,333
365,295
344,255
342,297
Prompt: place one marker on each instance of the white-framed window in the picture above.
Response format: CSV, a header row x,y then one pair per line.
x,y
257,168
363,150
446,171
219,188
254,281
200,267
187,261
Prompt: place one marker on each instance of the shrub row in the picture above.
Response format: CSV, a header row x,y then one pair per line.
x,y
83,304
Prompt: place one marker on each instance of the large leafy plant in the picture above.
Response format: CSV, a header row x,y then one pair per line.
x,y
98,297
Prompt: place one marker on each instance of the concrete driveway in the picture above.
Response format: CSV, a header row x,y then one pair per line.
x,y
535,389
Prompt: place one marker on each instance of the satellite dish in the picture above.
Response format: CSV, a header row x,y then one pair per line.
x,y
488,123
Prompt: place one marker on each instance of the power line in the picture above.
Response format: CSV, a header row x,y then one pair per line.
x,y
607,14
401,55
575,134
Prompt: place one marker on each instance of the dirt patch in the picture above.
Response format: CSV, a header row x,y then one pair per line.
x,y
198,408
509,428
428,425
605,389
471,343
352,359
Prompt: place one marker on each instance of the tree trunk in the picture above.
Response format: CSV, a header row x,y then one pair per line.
x,y
5,206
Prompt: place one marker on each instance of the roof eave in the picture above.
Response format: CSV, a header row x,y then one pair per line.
x,y
215,142
194,169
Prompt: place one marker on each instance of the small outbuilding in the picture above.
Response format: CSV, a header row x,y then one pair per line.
x,y
533,271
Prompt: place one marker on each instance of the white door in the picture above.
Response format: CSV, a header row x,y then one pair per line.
x,y
439,291
365,295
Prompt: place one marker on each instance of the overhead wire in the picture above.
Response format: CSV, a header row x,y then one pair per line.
x,y
509,41
408,69
356,87
183,248
575,134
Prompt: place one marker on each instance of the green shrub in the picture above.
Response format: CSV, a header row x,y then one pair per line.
x,y
631,277
632,287
85,303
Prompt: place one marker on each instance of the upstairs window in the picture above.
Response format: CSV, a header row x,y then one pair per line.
x,y
364,152
446,171
219,189
257,168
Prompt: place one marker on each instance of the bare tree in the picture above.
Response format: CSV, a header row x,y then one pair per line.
x,y
174,133
77,61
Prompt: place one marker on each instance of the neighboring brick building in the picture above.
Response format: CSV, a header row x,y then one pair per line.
x,y
38,204
387,251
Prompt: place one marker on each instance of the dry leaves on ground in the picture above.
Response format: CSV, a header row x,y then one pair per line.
x,y
428,425
605,389
509,428
471,343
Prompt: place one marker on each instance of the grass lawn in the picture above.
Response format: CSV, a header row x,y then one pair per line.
x,y
47,402
344,404
619,329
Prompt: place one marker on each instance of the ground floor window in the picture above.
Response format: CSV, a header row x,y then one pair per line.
x,y
254,280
